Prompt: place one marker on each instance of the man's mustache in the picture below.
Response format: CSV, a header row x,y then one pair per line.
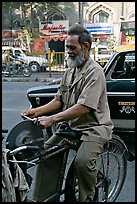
x,y
71,57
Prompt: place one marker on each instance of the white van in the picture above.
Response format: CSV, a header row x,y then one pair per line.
x,y
35,62
100,53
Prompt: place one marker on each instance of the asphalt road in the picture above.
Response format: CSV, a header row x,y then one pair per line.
x,y
14,100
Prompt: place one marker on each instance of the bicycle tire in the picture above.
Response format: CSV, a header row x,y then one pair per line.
x,y
116,151
116,155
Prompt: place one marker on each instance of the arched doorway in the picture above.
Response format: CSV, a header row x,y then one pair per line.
x,y
100,18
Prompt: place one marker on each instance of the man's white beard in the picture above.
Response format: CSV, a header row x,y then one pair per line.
x,y
77,61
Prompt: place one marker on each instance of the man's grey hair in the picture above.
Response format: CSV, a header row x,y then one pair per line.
x,y
83,33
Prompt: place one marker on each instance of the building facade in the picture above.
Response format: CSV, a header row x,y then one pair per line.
x,y
115,14
111,23
99,16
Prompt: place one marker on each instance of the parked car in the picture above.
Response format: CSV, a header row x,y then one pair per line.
x,y
120,77
36,63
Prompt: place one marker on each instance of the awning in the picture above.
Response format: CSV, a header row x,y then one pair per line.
x,y
55,37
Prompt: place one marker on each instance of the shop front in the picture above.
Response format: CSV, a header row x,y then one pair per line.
x,y
127,33
99,31
54,33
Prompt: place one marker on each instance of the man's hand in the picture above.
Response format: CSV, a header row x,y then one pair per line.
x,y
30,113
43,110
44,121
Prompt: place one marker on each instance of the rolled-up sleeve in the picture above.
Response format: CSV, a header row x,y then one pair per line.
x,y
58,96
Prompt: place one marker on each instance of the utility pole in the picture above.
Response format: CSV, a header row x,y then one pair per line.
x,y
122,13
11,20
82,12
80,8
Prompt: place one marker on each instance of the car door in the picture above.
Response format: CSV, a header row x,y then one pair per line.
x,y
121,90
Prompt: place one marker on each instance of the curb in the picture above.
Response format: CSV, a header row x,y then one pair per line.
x,y
37,79
24,80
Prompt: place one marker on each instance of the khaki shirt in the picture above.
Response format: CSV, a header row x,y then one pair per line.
x,y
89,89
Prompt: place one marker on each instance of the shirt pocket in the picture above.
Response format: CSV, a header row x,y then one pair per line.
x,y
65,93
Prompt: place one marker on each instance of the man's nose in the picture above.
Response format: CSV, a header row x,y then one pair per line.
x,y
70,52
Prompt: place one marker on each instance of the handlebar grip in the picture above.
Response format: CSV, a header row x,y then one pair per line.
x,y
21,148
33,147
4,131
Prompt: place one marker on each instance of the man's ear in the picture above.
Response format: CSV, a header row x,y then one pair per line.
x,y
86,44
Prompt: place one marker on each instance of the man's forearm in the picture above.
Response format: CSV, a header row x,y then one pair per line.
x,y
74,112
49,107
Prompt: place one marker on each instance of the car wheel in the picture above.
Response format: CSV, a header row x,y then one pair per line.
x,y
34,67
26,71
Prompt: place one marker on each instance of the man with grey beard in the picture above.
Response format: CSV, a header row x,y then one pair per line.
x,y
82,97
75,61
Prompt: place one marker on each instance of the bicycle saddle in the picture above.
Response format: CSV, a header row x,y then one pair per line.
x,y
65,131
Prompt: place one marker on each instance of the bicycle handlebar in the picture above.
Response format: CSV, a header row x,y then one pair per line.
x,y
4,130
19,149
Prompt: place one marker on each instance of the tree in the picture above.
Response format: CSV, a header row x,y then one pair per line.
x,y
26,14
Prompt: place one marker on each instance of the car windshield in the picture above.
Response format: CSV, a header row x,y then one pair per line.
x,y
24,51
125,66
18,53
103,50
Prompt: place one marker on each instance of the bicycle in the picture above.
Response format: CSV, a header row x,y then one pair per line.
x,y
16,65
112,164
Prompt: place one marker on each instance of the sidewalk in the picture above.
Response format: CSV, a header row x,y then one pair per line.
x,y
38,77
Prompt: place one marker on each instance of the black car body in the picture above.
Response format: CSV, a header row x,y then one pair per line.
x,y
120,78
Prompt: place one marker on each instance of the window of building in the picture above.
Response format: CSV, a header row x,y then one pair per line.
x,y
55,16
100,17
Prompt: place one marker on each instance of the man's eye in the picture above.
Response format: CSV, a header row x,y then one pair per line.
x,y
71,47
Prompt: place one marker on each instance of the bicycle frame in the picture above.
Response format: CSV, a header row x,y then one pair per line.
x,y
115,148
40,156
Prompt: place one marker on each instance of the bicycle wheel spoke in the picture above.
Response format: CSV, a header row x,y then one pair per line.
x,y
112,166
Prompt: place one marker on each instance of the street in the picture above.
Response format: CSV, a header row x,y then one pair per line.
x,y
14,100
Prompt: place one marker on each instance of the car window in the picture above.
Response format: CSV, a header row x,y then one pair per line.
x,y
18,52
24,51
7,51
103,50
125,67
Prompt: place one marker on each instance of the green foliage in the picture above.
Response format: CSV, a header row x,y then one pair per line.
x,y
19,15
18,11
